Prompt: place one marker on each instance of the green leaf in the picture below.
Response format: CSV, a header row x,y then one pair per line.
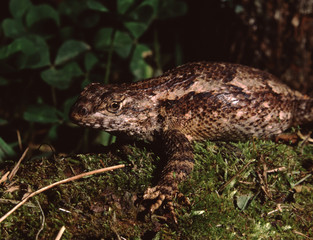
x,y
95,5
53,134
90,20
5,150
145,12
103,38
3,122
70,49
136,28
71,9
138,66
172,8
61,78
19,7
122,44
3,81
197,212
85,83
123,5
41,113
13,28
105,138
41,12
34,52
18,45
243,200
38,56
90,61
67,107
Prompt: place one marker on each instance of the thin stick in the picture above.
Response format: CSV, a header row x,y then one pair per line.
x,y
42,222
19,139
306,138
60,233
301,234
236,175
101,170
280,169
17,166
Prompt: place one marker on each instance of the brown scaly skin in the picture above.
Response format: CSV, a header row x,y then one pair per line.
x,y
194,102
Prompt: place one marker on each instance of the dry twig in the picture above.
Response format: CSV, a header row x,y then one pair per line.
x,y
301,234
17,166
101,170
42,222
19,139
60,233
306,138
232,178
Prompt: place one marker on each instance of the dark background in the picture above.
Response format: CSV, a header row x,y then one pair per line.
x,y
276,36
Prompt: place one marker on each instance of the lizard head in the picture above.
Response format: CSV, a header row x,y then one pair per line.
x,y
113,109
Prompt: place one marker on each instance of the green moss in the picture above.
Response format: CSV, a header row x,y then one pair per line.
x,y
231,195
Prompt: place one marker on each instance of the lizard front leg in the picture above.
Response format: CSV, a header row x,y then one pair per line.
x,y
180,161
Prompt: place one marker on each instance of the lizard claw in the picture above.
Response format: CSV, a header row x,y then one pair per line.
x,y
155,194
160,195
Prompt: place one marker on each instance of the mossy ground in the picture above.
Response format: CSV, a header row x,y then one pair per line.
x,y
233,191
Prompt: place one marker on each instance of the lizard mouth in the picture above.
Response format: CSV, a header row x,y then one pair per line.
x,y
88,124
81,117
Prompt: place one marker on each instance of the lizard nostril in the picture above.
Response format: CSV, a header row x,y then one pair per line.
x,y
83,111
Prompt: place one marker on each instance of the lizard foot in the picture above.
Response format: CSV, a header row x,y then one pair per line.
x,y
164,195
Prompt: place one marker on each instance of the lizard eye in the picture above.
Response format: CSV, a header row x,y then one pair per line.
x,y
113,107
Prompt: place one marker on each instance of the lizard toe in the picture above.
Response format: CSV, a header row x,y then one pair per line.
x,y
151,193
161,196
158,203
156,195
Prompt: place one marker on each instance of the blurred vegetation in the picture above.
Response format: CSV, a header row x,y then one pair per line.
x,y
51,51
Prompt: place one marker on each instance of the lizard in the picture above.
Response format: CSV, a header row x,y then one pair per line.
x,y
193,102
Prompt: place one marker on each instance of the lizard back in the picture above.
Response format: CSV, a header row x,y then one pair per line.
x,y
216,101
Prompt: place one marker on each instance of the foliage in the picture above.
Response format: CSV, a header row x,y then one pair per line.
x,y
51,51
